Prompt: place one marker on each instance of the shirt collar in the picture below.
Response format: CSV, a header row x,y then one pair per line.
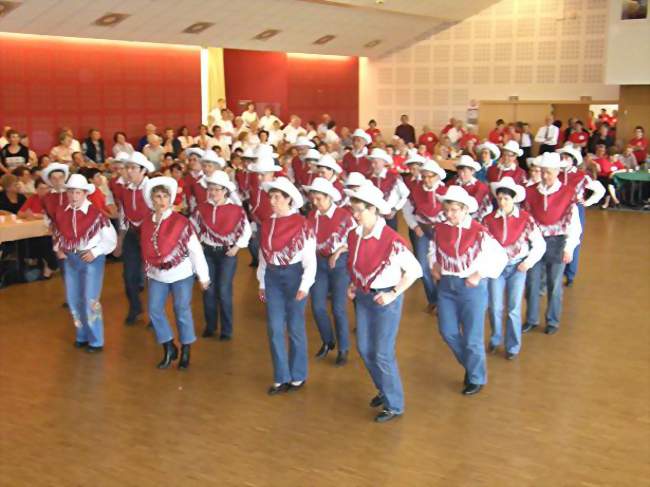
x,y
83,208
375,232
139,186
165,215
465,224
468,183
500,213
507,168
435,186
227,201
382,174
329,213
554,187
293,211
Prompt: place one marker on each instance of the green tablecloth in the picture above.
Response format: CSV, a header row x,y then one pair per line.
x,y
638,176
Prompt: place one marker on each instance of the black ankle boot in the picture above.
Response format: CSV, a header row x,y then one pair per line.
x,y
171,354
184,362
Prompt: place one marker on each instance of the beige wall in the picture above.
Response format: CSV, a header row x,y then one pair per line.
x,y
633,110
535,49
628,59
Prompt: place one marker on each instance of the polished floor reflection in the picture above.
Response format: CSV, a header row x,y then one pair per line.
x,y
572,410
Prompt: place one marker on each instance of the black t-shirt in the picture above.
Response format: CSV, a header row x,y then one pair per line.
x,y
13,160
7,205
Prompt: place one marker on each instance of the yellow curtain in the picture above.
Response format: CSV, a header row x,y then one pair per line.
x,y
216,80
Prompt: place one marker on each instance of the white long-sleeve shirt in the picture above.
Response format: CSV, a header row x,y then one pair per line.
x,y
547,135
399,194
194,263
402,263
102,243
306,255
490,261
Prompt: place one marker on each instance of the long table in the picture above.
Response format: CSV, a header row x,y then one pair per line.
x,y
11,230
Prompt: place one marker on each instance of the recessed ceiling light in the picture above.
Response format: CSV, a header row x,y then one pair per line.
x,y
110,19
267,34
197,27
6,7
372,43
324,39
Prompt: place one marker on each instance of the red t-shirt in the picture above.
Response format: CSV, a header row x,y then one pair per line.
x,y
429,140
607,167
373,133
496,136
578,137
641,155
462,143
446,129
33,203
98,199
398,164
179,192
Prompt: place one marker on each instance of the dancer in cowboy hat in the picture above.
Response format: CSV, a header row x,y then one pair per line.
x,y
488,156
299,164
210,162
133,211
422,212
330,225
381,269
356,160
286,273
553,206
466,169
522,239
391,185
329,169
463,255
223,229
509,166
83,238
172,254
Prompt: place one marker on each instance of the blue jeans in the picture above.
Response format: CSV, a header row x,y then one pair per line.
x,y
285,314
132,270
572,268
254,246
334,281
377,328
552,263
511,282
392,222
421,253
83,287
217,300
182,299
461,320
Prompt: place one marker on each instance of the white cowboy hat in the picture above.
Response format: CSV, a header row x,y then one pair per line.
x,y
169,183
194,150
77,181
467,161
372,195
221,178
355,179
362,134
530,161
459,195
378,153
549,160
329,162
122,156
54,166
211,156
509,183
434,167
574,153
415,159
264,163
322,185
139,159
249,153
303,141
286,186
312,155
513,146
494,150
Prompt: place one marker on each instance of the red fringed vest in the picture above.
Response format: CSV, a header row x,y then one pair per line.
x,y
495,173
356,164
513,233
300,171
164,244
52,202
330,232
551,212
75,229
369,256
386,184
219,226
479,191
260,205
281,238
456,248
426,205
134,209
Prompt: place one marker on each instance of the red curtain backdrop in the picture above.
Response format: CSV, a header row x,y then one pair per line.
x,y
305,86
46,84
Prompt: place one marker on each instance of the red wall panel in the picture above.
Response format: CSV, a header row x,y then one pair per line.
x,y
46,84
305,86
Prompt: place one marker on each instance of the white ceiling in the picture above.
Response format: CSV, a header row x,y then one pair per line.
x,y
397,23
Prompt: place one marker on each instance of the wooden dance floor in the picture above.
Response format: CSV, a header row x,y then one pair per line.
x,y
572,410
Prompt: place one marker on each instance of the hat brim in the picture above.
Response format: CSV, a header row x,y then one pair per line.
x,y
89,188
517,153
470,202
476,166
333,193
520,191
53,167
381,205
256,169
159,181
365,137
297,200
